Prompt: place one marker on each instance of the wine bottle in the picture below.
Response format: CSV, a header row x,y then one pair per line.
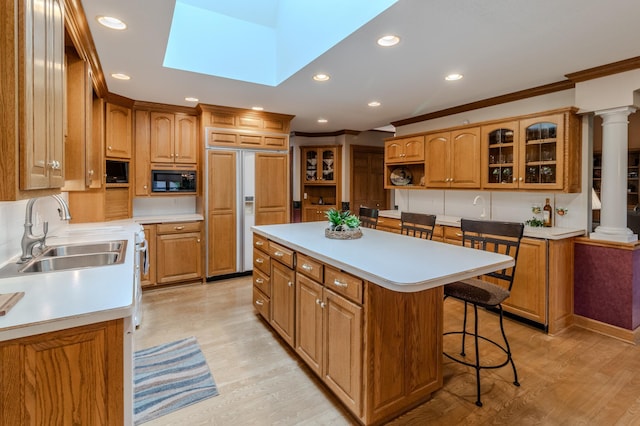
x,y
547,213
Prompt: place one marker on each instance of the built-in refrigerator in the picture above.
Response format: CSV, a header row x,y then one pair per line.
x,y
234,205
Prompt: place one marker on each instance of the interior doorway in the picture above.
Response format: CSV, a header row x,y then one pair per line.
x,y
367,178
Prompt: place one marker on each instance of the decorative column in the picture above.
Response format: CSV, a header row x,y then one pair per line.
x,y
613,189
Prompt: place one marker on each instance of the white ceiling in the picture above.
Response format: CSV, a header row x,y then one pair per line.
x,y
500,46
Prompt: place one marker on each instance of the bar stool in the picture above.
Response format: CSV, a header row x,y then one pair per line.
x,y
499,237
417,224
368,217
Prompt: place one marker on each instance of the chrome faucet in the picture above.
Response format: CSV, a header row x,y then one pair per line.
x,y
475,203
29,241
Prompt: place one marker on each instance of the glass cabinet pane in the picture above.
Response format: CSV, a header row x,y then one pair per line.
x,y
311,165
541,153
501,156
327,164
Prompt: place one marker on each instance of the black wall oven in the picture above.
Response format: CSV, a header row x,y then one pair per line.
x,y
183,181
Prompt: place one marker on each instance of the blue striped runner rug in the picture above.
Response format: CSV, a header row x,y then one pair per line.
x,y
168,377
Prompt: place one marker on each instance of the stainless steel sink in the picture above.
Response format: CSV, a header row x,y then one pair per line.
x,y
73,249
60,263
71,256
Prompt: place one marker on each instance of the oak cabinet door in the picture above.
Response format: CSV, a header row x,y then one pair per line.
x,y
282,301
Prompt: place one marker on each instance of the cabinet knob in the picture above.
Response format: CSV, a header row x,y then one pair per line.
x,y
91,172
109,148
259,243
259,260
259,281
520,179
144,187
259,302
290,283
514,179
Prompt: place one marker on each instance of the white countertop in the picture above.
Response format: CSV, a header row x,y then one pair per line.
x,y
393,261
64,299
168,218
551,233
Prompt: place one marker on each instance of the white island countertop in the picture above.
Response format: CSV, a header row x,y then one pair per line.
x,y
65,299
396,262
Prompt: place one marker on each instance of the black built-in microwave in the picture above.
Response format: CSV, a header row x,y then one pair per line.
x,y
173,181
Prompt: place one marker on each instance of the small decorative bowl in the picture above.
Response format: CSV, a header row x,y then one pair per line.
x,y
562,211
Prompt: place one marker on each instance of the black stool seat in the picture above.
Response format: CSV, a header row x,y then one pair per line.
x,y
478,292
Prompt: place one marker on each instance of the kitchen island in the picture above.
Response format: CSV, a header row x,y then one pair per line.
x,y
366,314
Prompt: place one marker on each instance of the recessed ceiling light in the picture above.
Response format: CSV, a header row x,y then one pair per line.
x,y
191,99
453,77
120,76
321,77
322,120
388,40
111,22
257,108
374,104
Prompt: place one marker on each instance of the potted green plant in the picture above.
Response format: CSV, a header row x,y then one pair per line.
x,y
342,225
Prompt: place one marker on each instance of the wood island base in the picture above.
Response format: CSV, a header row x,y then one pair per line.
x,y
377,350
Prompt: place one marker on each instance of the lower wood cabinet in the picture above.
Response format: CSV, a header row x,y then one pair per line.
x,y
378,351
175,253
67,377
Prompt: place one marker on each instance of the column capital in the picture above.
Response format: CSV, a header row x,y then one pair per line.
x,y
625,110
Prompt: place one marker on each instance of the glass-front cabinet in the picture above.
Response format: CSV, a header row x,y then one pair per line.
x,y
532,153
502,155
320,178
319,164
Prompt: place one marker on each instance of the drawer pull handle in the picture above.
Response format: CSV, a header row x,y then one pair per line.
x,y
458,234
259,302
279,253
178,228
339,283
259,260
259,243
307,267
259,281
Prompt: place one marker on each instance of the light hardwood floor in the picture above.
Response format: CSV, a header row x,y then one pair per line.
x,y
575,378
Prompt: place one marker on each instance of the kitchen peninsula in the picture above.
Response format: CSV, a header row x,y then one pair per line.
x,y
365,314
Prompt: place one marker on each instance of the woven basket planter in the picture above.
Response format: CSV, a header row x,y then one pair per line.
x,y
348,234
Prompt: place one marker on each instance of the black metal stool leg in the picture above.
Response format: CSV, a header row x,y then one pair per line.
x,y
506,342
464,329
475,334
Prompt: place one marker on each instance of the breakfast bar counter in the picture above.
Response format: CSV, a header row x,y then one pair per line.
x,y
365,315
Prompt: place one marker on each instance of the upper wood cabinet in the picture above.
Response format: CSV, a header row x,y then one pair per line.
x,y
84,138
32,108
242,128
118,132
453,159
404,150
174,138
535,152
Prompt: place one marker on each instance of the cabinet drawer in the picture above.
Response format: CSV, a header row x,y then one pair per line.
x,y
261,303
178,227
310,267
452,235
389,224
343,283
262,281
262,261
281,254
260,242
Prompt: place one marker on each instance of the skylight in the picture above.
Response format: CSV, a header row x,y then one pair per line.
x,y
261,41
